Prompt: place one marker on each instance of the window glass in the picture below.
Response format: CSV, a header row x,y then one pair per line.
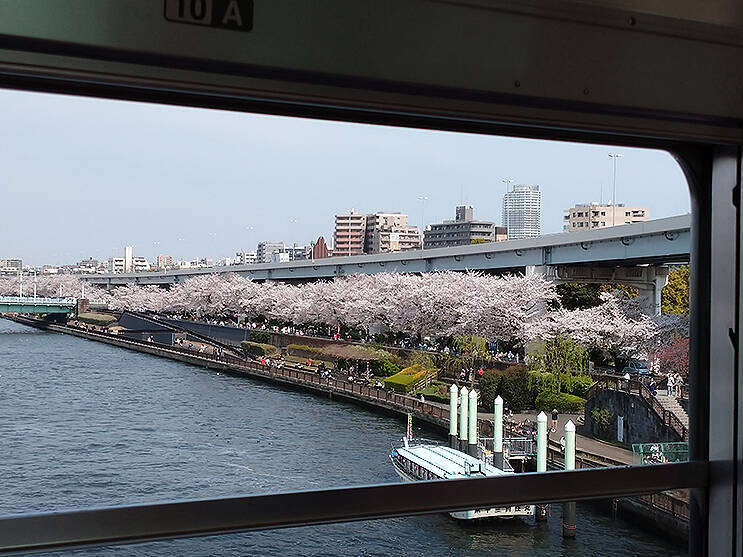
x,y
172,383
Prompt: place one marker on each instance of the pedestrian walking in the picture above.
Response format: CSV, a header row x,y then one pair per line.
x,y
555,415
669,384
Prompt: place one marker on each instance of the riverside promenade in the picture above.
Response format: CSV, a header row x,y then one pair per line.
x,y
668,511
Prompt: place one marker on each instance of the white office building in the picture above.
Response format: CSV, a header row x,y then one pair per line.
x,y
522,212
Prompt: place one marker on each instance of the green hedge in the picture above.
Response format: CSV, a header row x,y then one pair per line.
x,y
258,349
577,385
512,384
436,391
541,381
404,381
562,401
101,319
259,336
380,368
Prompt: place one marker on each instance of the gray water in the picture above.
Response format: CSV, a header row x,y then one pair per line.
x,y
84,424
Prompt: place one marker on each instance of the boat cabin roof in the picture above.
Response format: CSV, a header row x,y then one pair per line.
x,y
446,462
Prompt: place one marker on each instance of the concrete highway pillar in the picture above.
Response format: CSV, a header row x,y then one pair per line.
x,y
472,435
542,510
453,397
463,407
498,433
568,509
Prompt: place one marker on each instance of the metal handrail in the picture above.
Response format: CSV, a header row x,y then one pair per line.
x,y
148,522
675,506
633,386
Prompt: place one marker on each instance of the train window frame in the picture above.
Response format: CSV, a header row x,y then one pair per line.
x,y
711,159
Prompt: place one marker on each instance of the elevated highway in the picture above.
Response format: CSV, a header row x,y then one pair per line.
x,y
655,242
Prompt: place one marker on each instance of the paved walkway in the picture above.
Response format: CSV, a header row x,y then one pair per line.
x,y
583,443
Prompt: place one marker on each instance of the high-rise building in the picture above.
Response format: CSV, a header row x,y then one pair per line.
x,y
462,231
522,212
390,232
595,215
266,249
349,235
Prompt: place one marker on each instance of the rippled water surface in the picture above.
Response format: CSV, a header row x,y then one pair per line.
x,y
86,424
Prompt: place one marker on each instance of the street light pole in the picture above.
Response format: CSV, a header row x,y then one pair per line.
x,y
423,199
614,157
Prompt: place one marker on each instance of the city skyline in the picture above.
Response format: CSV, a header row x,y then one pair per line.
x,y
202,183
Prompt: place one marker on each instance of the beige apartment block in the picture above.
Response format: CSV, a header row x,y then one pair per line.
x,y
595,215
390,232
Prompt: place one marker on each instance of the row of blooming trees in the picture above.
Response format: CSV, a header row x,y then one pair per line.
x,y
515,309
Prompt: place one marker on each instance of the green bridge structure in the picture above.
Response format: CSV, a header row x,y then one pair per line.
x,y
34,304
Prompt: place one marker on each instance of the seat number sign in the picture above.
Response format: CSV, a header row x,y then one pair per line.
x,y
236,15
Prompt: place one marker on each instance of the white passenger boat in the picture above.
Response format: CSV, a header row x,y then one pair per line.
x,y
438,462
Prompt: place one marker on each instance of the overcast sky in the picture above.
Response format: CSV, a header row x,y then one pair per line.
x,y
83,177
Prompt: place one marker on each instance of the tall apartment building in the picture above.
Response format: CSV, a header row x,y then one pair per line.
x,y
522,212
462,231
266,250
594,215
349,235
390,232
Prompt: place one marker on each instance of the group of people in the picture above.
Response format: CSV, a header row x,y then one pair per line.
x,y
674,384
470,374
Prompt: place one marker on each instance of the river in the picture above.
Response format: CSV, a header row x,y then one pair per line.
x,y
84,424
